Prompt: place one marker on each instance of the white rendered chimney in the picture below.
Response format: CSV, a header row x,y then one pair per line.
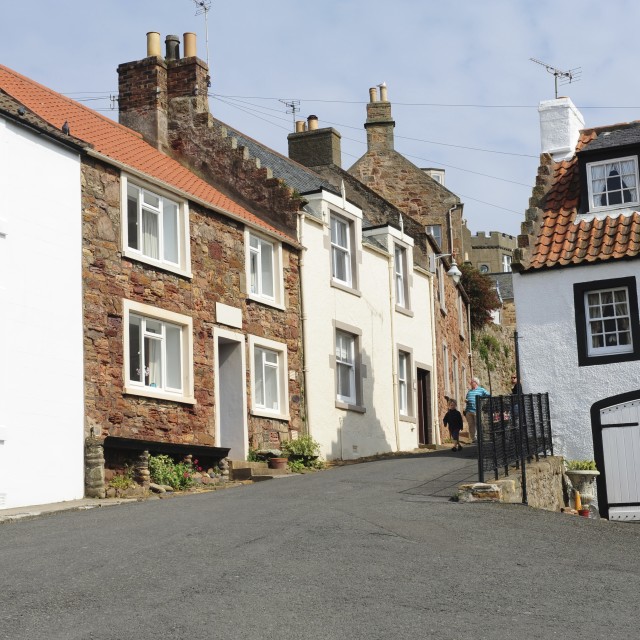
x,y
560,125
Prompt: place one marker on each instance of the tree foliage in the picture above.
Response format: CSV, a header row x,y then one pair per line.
x,y
482,295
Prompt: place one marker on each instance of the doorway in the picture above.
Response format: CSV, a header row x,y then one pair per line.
x,y
231,393
424,407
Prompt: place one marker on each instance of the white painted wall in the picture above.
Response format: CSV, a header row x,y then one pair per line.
x,y
549,353
41,362
344,433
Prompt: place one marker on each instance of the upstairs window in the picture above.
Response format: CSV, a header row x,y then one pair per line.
x,y
436,231
264,269
401,279
506,263
155,228
613,183
341,251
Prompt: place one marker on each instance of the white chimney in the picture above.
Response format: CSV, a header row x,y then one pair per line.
x,y
560,125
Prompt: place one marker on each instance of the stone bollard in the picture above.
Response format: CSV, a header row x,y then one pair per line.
x,y
142,475
94,486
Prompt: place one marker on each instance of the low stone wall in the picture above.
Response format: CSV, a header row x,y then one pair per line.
x,y
544,486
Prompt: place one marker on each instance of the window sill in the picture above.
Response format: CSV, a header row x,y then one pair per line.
x,y
404,311
165,266
266,302
410,419
350,407
345,287
262,413
146,392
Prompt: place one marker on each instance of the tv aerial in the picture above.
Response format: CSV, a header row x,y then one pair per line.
x,y
203,7
560,77
293,106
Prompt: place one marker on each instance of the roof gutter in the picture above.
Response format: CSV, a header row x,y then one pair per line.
x,y
189,196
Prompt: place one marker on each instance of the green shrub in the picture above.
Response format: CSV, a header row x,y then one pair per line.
x,y
581,465
302,446
163,470
123,481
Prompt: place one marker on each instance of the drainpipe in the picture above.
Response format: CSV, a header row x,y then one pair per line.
x,y
394,367
434,360
450,230
305,338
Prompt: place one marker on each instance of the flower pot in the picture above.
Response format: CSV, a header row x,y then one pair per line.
x,y
277,463
585,513
584,483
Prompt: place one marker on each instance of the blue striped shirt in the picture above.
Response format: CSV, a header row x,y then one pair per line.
x,y
472,394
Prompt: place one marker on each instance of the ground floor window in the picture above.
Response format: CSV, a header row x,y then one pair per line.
x,y
269,389
158,352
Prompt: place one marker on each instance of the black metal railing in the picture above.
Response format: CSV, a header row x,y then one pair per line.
x,y
511,430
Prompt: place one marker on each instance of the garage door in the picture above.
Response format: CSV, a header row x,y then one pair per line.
x,y
621,451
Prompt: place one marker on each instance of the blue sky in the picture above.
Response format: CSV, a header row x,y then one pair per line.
x,y
434,57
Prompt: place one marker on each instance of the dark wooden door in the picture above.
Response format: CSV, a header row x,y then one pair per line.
x,y
424,407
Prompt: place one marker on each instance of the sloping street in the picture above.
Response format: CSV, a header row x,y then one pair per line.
x,y
372,550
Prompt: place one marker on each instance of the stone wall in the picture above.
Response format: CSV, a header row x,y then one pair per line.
x,y
545,488
218,268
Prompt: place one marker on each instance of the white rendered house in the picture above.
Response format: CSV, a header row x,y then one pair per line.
x,y
41,351
576,291
367,331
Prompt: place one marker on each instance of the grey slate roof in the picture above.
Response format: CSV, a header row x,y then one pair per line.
x,y
625,135
505,284
295,175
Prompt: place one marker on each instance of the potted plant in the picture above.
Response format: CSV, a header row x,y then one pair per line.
x,y
303,449
582,474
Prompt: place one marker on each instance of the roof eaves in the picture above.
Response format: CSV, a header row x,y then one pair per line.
x,y
266,230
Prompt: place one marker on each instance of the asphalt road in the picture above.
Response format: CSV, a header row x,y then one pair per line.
x,y
362,551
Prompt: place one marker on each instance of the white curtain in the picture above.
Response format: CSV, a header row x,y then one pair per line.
x,y
150,235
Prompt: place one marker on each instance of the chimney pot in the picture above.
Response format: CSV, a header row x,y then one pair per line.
x,y
313,122
373,94
153,44
172,44
383,93
189,45
300,126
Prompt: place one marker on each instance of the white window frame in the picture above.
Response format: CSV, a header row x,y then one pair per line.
x,y
591,165
277,300
401,273
338,250
590,321
185,323
435,230
183,266
348,364
506,263
405,382
280,348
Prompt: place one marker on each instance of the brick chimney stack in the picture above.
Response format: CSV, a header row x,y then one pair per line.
x,y
379,124
313,147
151,90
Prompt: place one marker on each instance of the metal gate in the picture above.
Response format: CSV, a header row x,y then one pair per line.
x,y
619,427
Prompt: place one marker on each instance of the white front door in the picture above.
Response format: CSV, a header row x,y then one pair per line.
x,y
231,393
621,449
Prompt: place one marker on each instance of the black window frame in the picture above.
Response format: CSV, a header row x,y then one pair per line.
x,y
582,335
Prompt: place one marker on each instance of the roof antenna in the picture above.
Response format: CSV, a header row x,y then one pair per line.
x,y
566,77
293,106
203,6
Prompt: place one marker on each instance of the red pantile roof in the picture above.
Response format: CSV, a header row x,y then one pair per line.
x,y
120,144
565,240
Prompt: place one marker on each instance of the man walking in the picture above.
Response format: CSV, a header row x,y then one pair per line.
x,y
470,408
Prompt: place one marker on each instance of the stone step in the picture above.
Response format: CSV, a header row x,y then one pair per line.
x,y
257,471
